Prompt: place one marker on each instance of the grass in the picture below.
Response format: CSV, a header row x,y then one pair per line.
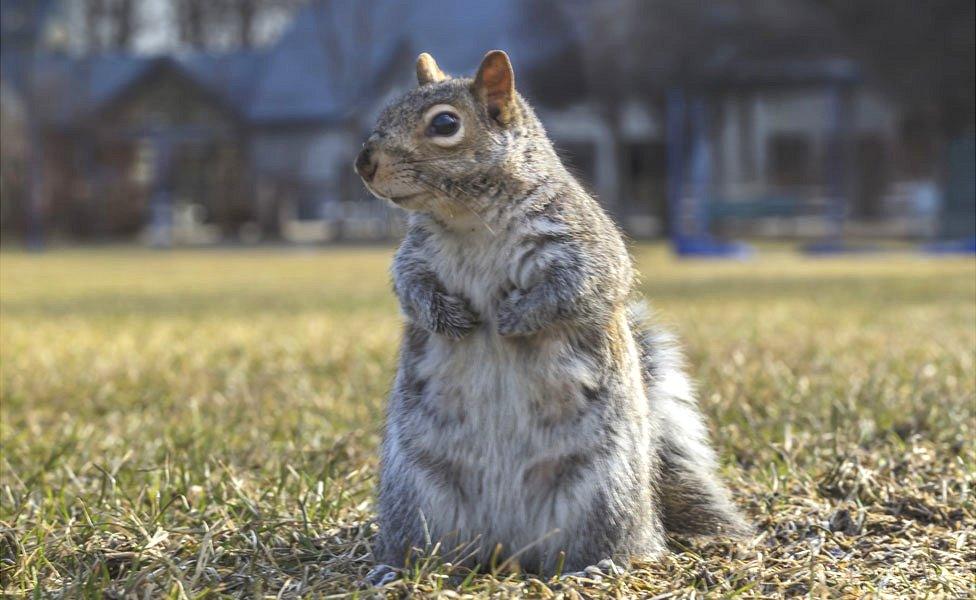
x,y
204,424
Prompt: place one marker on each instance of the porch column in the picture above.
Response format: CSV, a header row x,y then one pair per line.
x,y
161,196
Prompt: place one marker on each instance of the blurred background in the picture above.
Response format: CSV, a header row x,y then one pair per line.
x,y
197,330
191,122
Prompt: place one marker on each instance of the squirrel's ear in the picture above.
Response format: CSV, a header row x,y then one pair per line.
x,y
427,70
494,85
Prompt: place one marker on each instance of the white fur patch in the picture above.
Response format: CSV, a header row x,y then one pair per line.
x,y
675,384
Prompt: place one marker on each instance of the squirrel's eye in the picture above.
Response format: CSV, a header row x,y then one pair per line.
x,y
444,124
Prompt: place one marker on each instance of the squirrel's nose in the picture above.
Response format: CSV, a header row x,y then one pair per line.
x,y
366,164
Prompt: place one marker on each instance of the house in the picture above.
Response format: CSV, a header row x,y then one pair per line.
x,y
258,144
328,78
240,145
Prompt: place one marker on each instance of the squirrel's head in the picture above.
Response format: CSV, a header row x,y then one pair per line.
x,y
450,141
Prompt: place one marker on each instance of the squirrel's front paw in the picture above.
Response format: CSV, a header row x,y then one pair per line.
x,y
511,319
453,317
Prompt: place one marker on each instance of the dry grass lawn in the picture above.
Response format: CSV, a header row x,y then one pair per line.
x,y
204,424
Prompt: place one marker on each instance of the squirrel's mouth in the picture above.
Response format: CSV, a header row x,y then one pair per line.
x,y
402,199
388,197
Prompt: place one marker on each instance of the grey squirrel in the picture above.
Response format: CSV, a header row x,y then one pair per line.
x,y
537,417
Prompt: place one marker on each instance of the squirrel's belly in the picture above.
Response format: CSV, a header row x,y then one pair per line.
x,y
514,420
508,384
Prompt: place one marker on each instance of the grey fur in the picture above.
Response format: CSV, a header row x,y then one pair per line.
x,y
535,415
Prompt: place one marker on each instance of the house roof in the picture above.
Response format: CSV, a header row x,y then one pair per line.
x,y
338,56
334,57
233,76
67,89
336,52
105,76
312,72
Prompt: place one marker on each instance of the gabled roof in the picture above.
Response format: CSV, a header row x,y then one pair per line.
x,y
335,57
106,75
212,91
232,75
458,34
336,52
69,88
64,89
313,72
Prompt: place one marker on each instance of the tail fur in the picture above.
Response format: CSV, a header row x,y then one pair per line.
x,y
693,498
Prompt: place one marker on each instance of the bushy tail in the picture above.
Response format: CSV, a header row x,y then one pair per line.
x,y
693,498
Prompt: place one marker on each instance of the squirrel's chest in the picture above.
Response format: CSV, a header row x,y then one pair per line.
x,y
480,268
543,375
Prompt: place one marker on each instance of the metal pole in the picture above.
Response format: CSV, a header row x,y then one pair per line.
x,y
675,147
161,202
701,168
35,157
836,171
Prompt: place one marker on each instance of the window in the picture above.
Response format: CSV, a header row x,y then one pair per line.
x,y
580,157
871,176
309,206
790,159
644,187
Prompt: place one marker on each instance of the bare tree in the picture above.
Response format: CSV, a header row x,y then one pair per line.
x,y
921,52
191,22
246,10
109,24
647,46
226,23
94,16
559,80
123,23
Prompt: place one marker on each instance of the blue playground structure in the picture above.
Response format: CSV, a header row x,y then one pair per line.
x,y
958,219
689,187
